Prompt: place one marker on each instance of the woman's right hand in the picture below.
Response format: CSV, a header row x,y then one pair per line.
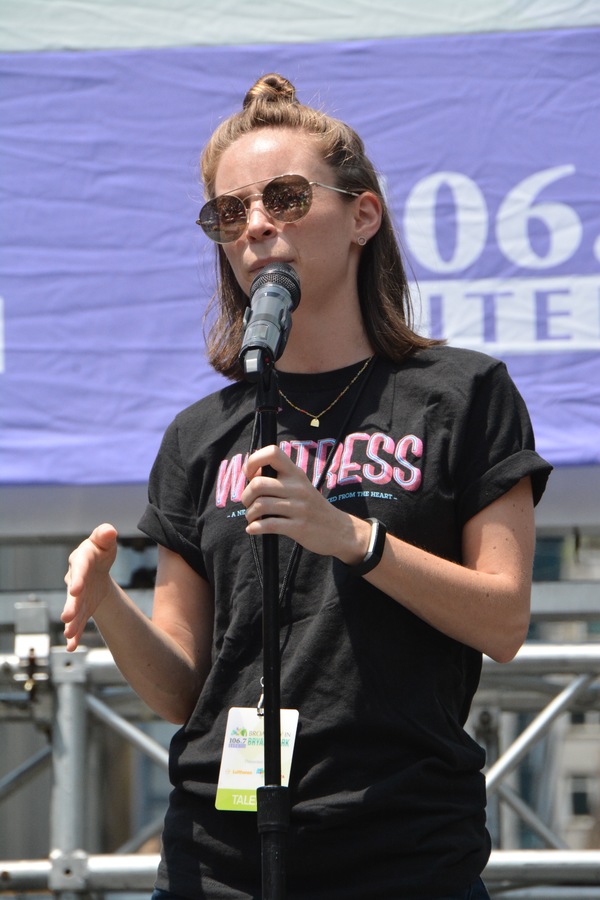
x,y
88,581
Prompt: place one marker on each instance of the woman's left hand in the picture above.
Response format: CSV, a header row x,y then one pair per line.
x,y
289,504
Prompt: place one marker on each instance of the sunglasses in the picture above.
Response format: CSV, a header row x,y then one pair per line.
x,y
286,198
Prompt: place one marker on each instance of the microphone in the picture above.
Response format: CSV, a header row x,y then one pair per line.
x,y
274,295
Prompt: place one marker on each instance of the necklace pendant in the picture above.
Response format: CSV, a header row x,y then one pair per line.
x,y
314,422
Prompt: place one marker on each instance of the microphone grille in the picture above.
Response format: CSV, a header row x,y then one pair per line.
x,y
282,274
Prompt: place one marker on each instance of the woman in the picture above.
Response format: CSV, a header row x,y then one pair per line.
x,y
380,430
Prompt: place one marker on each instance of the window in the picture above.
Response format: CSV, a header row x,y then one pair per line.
x,y
580,798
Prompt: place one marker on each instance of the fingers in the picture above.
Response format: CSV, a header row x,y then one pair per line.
x,y
89,565
286,504
260,486
271,496
74,622
289,504
273,515
268,456
104,537
99,550
73,632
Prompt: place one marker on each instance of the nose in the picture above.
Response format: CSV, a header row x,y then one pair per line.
x,y
260,223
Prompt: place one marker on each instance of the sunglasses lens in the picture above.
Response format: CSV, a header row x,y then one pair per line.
x,y
223,219
288,198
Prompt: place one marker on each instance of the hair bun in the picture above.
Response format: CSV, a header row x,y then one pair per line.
x,y
271,88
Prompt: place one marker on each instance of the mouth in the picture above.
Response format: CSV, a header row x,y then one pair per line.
x,y
261,263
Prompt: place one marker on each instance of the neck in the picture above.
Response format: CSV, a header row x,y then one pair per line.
x,y
319,343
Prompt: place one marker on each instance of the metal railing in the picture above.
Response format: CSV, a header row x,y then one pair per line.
x,y
66,691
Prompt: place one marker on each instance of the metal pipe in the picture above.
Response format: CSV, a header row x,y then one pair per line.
x,y
147,745
540,725
23,774
546,892
136,872
70,871
67,810
151,830
523,867
532,659
547,659
525,812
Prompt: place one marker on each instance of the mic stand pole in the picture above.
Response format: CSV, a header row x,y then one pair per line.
x,y
272,798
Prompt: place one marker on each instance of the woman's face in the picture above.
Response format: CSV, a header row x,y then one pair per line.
x,y
321,247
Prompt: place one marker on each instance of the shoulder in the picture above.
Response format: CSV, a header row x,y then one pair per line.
x,y
457,362
209,422
224,403
444,372
456,383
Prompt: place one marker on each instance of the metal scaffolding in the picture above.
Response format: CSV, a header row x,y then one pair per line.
x,y
64,692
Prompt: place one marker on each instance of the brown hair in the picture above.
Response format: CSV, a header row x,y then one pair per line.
x,y
382,284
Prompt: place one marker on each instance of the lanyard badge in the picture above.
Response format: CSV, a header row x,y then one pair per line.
x,y
242,761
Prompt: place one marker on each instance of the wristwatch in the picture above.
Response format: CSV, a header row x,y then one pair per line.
x,y
375,549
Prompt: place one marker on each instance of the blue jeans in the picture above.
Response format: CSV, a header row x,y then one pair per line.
x,y
477,891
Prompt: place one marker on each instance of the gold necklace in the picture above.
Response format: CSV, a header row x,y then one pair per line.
x,y
314,418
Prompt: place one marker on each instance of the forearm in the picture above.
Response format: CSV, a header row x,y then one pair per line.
x,y
483,602
487,611
153,663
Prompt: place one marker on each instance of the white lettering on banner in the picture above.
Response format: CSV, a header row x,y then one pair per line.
x,y
531,311
512,315
519,211
2,364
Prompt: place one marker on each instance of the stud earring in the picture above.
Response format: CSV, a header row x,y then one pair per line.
x,y
361,241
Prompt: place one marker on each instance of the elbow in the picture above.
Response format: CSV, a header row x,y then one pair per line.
x,y
174,719
176,709
174,714
505,653
509,624
507,642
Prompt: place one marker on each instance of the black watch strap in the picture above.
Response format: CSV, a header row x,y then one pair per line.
x,y
375,549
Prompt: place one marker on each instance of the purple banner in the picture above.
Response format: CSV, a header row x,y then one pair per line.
x,y
488,148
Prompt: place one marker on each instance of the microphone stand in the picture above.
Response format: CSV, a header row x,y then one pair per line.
x,y
272,797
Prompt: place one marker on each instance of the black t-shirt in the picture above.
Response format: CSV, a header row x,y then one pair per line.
x,y
387,794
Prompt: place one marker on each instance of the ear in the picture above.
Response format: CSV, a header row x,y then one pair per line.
x,y
367,216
